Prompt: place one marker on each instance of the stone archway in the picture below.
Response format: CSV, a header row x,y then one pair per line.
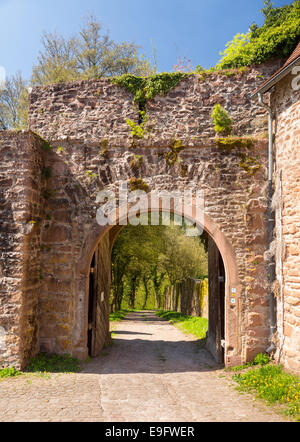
x,y
102,239
50,186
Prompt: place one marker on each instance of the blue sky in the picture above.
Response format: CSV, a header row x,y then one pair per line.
x,y
196,29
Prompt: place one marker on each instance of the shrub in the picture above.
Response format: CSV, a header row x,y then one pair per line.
x,y
221,120
261,359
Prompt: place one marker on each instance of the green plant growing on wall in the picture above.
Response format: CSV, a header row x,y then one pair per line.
x,y
183,170
222,121
91,175
138,130
229,143
45,145
136,162
46,173
173,156
48,193
147,88
232,72
243,145
138,184
249,164
104,151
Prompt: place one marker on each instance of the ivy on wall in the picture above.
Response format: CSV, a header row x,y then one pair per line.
x,y
146,88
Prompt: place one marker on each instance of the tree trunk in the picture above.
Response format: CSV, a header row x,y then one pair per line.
x,y
145,281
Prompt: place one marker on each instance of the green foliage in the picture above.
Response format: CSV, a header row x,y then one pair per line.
x,y
146,258
9,372
103,152
138,130
146,88
89,54
171,157
183,170
222,122
275,39
190,324
229,143
119,315
46,146
136,162
249,163
53,364
233,72
274,385
46,173
14,103
138,184
91,175
261,359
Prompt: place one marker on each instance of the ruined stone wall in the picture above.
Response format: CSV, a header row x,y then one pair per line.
x,y
286,104
92,150
20,213
93,111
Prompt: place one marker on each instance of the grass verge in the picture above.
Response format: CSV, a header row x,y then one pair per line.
x,y
274,385
119,316
190,324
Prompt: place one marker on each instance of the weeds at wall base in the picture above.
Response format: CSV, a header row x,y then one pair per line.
x,y
272,384
9,372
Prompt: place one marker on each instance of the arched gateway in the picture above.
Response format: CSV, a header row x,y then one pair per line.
x,y
84,145
96,255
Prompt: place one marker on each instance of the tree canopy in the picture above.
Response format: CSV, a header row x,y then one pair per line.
x,y
13,103
90,54
277,38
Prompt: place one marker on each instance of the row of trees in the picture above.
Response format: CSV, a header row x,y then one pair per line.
x,y
147,258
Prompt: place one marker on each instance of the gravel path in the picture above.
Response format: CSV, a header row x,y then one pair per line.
x,y
153,372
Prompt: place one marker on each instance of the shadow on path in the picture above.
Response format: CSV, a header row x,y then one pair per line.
x,y
162,348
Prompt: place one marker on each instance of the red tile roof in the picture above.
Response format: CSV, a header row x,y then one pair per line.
x,y
292,58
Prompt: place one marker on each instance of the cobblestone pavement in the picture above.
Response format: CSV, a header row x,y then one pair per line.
x,y
152,372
